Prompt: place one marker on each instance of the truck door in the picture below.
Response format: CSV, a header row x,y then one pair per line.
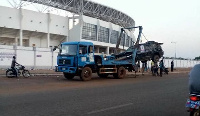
x,y
86,55
82,57
91,53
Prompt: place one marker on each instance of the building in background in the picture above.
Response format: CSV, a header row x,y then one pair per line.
x,y
102,26
30,33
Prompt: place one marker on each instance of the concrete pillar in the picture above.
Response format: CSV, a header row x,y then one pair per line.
x,y
81,25
107,50
34,50
48,29
16,41
67,37
98,26
21,27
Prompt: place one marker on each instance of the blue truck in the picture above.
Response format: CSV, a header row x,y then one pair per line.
x,y
78,59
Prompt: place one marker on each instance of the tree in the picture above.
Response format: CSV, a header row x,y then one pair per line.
x,y
197,58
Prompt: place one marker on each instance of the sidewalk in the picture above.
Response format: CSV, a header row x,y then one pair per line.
x,y
44,72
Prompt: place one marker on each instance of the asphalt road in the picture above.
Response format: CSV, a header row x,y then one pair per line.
x,y
56,96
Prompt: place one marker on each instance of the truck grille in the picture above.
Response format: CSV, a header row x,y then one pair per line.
x,y
65,61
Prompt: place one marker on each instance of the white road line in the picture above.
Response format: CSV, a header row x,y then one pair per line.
x,y
110,108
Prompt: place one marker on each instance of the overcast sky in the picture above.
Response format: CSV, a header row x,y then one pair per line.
x,y
165,21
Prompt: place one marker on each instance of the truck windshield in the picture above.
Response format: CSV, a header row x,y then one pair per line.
x,y
68,50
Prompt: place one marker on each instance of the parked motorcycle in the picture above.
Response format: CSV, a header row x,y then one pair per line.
x,y
20,70
193,104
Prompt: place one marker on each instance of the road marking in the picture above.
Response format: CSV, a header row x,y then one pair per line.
x,y
110,108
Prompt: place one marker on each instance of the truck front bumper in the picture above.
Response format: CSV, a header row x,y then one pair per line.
x,y
65,69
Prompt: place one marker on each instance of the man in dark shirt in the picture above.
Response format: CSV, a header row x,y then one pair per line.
x,y
194,79
13,65
172,66
161,67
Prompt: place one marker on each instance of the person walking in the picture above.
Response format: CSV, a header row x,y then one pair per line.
x,y
152,66
138,66
161,67
172,66
143,68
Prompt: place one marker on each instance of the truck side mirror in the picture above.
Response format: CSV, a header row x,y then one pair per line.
x,y
55,47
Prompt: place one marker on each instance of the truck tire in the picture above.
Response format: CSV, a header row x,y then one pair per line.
x,y
121,72
86,74
102,75
68,76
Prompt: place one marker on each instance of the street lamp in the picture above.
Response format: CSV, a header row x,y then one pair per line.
x,y
175,50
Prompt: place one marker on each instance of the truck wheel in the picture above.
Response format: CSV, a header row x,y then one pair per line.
x,y
156,58
121,72
102,75
86,74
68,76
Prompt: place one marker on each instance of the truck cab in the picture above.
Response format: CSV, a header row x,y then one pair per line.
x,y
73,56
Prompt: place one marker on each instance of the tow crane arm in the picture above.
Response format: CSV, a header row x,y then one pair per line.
x,y
135,46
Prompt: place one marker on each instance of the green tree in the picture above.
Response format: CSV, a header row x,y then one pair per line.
x,y
197,58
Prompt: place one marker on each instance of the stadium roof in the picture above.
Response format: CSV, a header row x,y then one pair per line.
x,y
90,9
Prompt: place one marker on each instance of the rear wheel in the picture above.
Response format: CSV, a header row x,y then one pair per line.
x,y
26,73
9,73
68,76
194,113
121,72
86,74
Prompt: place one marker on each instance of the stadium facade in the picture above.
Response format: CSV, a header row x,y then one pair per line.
x,y
22,29
29,28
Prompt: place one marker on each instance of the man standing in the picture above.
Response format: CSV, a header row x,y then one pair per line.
x,y
172,66
161,67
13,65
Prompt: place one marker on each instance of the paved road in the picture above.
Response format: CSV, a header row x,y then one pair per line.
x,y
55,96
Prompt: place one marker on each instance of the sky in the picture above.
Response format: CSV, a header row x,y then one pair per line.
x,y
175,23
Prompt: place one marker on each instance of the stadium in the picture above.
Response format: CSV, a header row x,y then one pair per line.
x,y
33,34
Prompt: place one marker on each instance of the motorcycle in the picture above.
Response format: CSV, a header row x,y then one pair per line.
x,y
165,70
193,104
20,70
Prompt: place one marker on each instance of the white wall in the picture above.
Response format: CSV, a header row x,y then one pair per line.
x,y
34,40
33,21
75,33
42,58
58,25
9,17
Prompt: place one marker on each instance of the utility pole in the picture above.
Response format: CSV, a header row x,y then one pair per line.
x,y
175,51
